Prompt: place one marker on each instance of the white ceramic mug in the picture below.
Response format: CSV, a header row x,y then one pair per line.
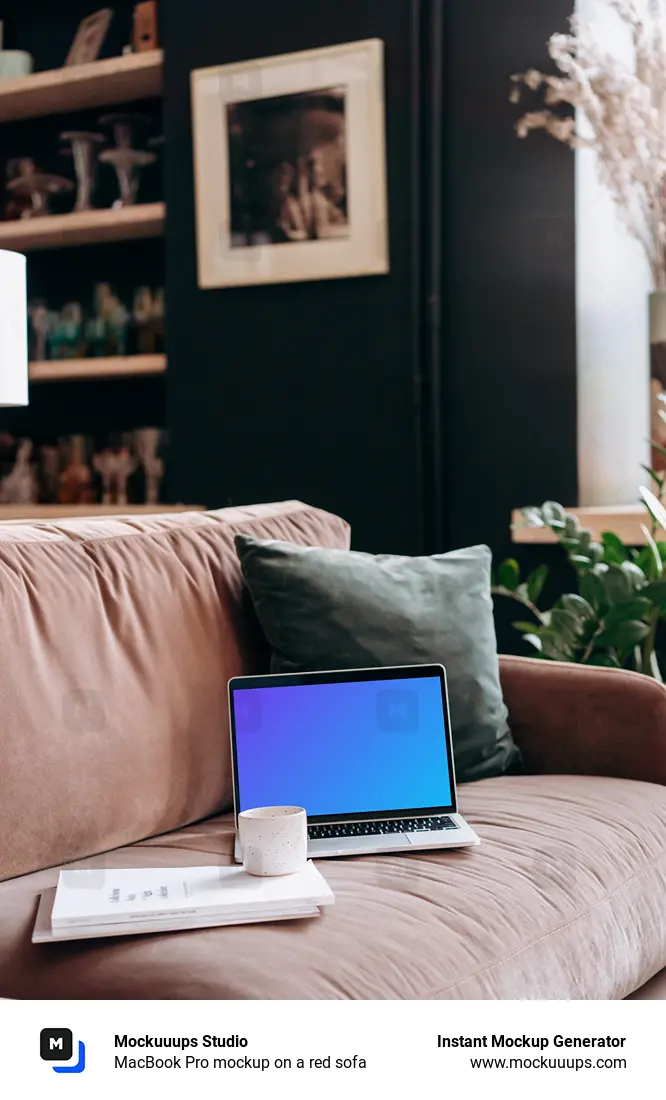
x,y
273,840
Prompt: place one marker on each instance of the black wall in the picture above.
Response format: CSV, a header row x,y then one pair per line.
x,y
302,390
509,371
313,390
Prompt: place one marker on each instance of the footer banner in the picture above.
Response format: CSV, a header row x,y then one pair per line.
x,y
336,1049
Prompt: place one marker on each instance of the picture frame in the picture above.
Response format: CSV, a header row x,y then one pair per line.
x,y
290,167
89,37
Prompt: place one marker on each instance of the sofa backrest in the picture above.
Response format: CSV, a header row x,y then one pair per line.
x,y
117,639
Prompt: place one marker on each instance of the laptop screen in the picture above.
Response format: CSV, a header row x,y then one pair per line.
x,y
365,746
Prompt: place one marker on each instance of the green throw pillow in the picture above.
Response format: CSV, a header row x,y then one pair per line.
x,y
328,609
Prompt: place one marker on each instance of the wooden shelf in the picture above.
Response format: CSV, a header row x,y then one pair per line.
x,y
77,87
88,227
25,513
118,366
623,520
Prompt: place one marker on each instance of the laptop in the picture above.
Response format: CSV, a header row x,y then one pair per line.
x,y
366,752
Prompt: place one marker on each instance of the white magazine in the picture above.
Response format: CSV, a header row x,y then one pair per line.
x,y
115,896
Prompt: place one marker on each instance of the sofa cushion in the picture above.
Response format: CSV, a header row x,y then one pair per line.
x,y
118,638
322,609
564,898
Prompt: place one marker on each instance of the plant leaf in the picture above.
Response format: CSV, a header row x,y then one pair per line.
x,y
533,640
657,447
659,481
581,561
554,646
509,574
536,581
523,627
626,633
636,575
571,525
565,624
592,591
578,606
634,608
616,584
553,514
655,567
655,593
532,517
643,558
654,506
614,548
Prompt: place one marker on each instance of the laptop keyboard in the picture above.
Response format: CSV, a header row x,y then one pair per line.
x,y
374,828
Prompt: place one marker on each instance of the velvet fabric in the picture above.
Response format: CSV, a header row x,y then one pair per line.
x,y
118,638
565,898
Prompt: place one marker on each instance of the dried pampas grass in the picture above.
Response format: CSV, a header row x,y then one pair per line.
x,y
625,109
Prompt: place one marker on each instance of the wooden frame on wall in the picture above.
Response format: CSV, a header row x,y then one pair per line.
x,y
290,167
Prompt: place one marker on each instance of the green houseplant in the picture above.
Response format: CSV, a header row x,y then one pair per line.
x,y
612,618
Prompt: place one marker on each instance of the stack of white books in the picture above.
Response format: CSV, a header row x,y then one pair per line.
x,y
116,902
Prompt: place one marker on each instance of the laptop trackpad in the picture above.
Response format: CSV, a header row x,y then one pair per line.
x,y
434,839
372,843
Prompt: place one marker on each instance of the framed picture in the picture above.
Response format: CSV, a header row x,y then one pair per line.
x,y
290,167
89,37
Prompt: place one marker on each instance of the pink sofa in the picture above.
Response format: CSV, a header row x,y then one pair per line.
x,y
118,637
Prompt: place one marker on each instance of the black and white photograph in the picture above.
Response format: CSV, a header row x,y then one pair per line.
x,y
290,167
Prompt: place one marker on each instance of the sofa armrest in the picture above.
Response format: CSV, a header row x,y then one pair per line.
x,y
580,720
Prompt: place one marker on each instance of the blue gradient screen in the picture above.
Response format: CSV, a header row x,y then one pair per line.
x,y
357,747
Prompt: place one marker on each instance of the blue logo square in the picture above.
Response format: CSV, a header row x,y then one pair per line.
x,y
397,711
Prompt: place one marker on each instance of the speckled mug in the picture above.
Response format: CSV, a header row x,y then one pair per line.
x,y
273,840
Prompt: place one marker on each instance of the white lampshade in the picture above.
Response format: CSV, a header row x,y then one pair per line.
x,y
13,330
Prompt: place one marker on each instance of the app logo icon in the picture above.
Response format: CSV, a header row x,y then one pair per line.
x,y
248,711
56,1044
397,711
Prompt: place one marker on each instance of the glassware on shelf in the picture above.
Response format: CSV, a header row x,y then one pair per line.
x,y
113,318
96,337
82,148
49,463
143,317
126,464
148,442
125,157
20,485
37,187
159,311
124,125
15,204
68,331
118,325
115,464
104,300
38,330
75,483
128,164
